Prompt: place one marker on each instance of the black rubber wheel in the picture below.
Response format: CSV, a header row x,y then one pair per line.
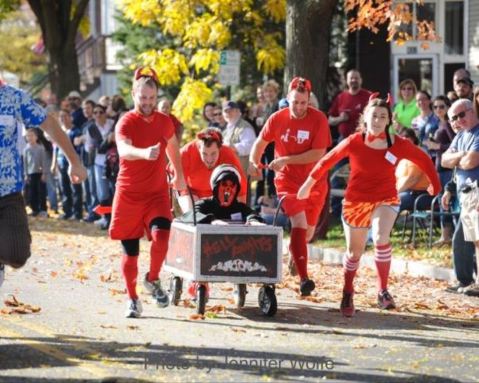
x,y
201,299
267,301
176,288
240,295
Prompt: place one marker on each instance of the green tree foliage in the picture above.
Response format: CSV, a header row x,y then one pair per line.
x,y
19,35
197,31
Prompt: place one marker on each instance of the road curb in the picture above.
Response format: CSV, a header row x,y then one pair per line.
x,y
333,256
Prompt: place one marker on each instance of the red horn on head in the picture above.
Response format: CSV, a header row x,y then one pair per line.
x,y
389,99
373,96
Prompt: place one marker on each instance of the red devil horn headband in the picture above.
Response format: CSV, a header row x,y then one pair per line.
x,y
210,134
375,95
300,84
146,72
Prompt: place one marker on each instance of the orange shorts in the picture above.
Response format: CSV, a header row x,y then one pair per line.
x,y
359,214
312,206
132,214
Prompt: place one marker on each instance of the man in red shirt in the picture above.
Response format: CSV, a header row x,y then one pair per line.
x,y
348,105
301,136
141,203
200,157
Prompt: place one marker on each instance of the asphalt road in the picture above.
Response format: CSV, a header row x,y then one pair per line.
x,y
80,333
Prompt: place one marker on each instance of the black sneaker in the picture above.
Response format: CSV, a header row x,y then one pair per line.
x,y
385,300
458,288
306,286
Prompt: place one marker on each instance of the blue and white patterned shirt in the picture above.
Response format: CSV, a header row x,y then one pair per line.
x,y
16,107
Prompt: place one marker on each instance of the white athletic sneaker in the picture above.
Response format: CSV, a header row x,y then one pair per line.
x,y
134,309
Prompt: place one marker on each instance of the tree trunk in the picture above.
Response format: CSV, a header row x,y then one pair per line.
x,y
59,21
308,31
63,70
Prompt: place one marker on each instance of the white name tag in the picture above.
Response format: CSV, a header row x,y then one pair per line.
x,y
236,217
6,120
391,157
303,134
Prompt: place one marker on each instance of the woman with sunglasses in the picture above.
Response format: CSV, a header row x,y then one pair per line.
x,y
371,198
406,108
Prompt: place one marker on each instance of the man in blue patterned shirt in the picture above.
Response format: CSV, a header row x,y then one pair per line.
x,y
17,108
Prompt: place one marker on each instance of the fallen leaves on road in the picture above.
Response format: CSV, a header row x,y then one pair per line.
x,y
17,307
109,326
196,317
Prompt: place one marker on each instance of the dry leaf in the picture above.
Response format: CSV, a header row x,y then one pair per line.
x,y
196,317
117,291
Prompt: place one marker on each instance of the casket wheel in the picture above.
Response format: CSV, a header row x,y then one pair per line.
x,y
239,295
267,300
176,287
201,299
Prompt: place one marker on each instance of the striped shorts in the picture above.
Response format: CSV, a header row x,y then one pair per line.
x,y
358,214
14,232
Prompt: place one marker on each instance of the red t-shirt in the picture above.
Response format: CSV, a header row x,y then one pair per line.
x,y
197,175
351,104
372,177
143,176
295,136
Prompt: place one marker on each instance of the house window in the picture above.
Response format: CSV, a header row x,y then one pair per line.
x,y
420,12
454,28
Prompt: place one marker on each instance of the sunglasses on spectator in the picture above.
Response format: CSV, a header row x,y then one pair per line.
x,y
443,106
459,115
217,114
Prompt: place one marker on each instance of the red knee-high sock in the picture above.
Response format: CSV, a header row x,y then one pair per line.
x,y
159,247
350,266
383,264
299,251
129,270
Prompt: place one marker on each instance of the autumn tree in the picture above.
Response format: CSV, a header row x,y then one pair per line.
x,y
19,34
60,21
200,30
370,14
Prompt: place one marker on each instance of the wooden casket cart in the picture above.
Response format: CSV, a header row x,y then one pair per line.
x,y
235,253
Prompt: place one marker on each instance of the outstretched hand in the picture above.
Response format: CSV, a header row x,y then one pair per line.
x,y
305,189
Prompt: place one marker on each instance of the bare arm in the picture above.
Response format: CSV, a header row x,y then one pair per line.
x,y
470,160
173,153
312,155
52,128
131,153
255,156
451,159
405,183
334,121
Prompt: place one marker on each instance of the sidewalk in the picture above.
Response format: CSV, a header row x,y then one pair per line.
x,y
334,256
